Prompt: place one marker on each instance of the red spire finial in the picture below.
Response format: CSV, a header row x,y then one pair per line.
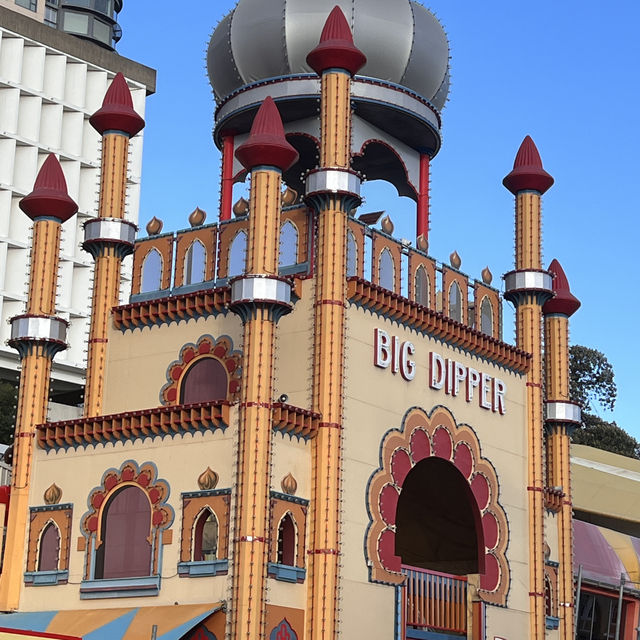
x,y
49,197
117,112
336,48
564,301
267,144
528,174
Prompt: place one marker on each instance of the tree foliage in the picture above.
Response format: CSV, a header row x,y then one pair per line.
x,y
605,435
8,393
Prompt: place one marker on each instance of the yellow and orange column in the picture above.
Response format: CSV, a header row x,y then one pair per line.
x,y
562,416
37,335
109,237
332,190
528,287
260,298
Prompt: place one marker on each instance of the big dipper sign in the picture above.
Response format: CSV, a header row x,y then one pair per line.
x,y
445,374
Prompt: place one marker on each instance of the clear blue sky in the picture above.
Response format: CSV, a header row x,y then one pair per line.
x,y
563,71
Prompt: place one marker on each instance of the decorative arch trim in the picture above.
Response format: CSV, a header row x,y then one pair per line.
x,y
421,436
206,347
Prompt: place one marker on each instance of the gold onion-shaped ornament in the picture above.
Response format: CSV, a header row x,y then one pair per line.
x,y
387,225
422,243
154,226
53,494
289,484
289,197
455,260
241,208
197,217
487,276
208,479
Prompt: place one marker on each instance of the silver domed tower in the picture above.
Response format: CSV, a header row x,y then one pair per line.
x,y
260,49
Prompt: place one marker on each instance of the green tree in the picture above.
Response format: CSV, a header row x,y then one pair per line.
x,y
592,384
8,393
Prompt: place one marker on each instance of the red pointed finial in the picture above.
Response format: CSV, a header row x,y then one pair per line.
x,y
267,144
527,173
564,301
49,197
336,49
117,112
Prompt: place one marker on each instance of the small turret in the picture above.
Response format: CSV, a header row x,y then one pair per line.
x,y
527,173
564,301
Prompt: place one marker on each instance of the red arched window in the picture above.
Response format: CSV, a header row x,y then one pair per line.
x,y
125,551
206,380
287,541
49,548
205,537
548,597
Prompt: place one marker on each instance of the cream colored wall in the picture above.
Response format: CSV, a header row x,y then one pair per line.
x,y
35,15
179,461
138,360
376,401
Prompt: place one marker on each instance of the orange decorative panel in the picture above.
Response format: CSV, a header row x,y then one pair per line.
x,y
449,277
480,292
60,515
208,237
164,245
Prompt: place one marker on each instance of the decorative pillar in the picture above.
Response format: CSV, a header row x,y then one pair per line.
x,y
226,189
260,298
528,288
109,238
562,416
422,226
332,190
37,335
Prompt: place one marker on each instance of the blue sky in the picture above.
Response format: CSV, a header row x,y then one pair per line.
x,y
565,72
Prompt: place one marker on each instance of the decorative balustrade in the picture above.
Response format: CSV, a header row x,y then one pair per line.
x,y
435,601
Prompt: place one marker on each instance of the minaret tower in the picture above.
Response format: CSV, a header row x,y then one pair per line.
x,y
333,190
37,335
109,238
260,297
562,416
528,287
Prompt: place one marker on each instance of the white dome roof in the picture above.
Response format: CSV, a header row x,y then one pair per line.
x,y
260,39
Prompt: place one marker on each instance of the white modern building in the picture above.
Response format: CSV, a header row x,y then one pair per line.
x,y
50,83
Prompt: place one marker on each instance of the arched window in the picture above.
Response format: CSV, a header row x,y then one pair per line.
x,y
151,279
238,254
287,541
288,244
194,263
206,380
455,302
205,537
438,523
422,287
352,255
125,550
386,270
49,552
548,596
486,316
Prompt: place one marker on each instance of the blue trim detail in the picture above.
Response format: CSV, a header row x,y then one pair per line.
x,y
397,627
289,498
51,507
50,218
45,578
198,569
32,621
118,131
114,629
294,269
286,573
423,634
206,493
552,622
120,588
204,285
150,295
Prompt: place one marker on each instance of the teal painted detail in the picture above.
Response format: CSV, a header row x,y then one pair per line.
x,y
45,578
114,629
551,622
198,569
120,588
33,621
286,573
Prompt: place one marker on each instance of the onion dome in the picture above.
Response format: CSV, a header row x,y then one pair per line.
x,y
402,41
154,226
117,112
527,173
564,301
267,144
49,197
336,48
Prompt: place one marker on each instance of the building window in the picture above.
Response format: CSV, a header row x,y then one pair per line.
x,y
125,551
50,16
288,244
287,541
151,272
486,317
597,617
32,5
205,537
455,302
422,287
386,270
238,254
206,380
194,263
49,552
352,255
